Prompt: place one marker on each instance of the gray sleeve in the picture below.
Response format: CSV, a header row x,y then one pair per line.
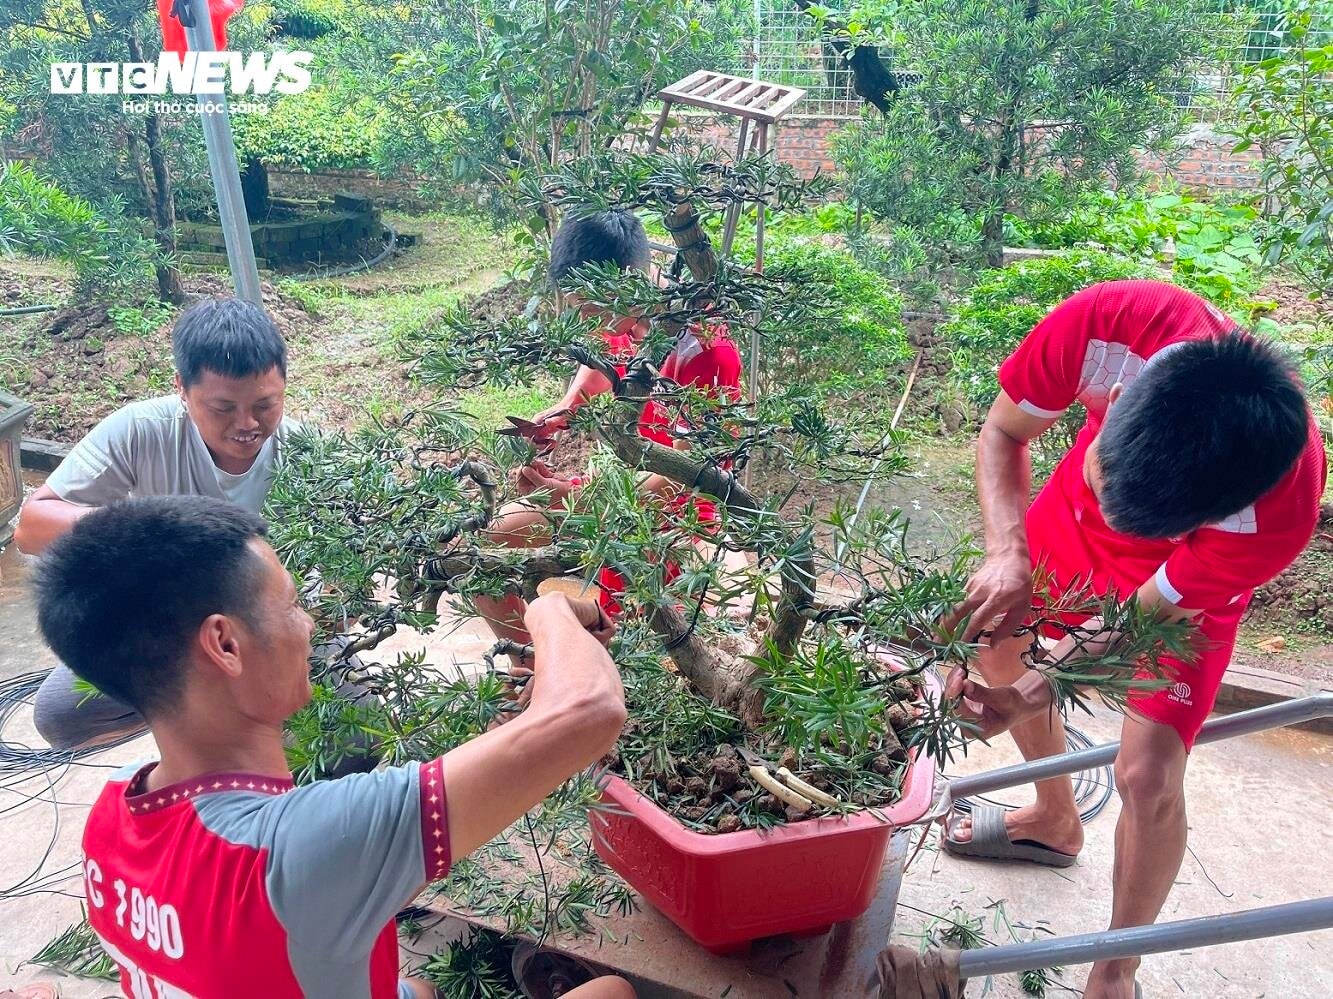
x,y
100,468
345,855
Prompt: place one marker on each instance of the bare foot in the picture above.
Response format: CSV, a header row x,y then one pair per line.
x,y
1058,832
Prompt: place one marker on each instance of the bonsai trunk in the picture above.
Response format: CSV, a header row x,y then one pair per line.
x,y
723,679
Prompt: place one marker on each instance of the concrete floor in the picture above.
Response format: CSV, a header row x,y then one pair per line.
x,y
1260,815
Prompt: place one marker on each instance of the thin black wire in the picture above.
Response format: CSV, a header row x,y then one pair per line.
x,y
20,763
1092,788
19,758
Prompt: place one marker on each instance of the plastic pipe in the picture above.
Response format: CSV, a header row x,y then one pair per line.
x,y
1084,948
223,168
27,310
1242,723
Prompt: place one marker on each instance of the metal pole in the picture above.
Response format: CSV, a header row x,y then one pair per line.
x,y
1084,948
761,141
734,209
1242,723
223,168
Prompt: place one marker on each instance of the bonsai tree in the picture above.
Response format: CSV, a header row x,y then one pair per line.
x,y
785,658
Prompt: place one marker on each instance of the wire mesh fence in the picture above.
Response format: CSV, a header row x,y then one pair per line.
x,y
787,50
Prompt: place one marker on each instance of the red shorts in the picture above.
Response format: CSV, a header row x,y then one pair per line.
x,y
1068,536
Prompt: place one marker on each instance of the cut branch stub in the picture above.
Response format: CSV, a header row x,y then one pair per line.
x,y
691,240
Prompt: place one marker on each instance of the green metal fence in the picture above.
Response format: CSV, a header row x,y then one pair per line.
x,y
786,49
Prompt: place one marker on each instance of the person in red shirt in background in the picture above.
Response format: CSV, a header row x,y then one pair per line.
x,y
1196,477
704,358
207,873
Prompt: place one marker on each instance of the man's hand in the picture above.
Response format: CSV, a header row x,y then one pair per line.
x,y
995,710
554,417
1001,588
536,476
596,622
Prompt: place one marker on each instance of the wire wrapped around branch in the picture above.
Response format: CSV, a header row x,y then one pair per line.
x,y
520,571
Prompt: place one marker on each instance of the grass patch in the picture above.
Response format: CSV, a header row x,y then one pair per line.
x,y
490,405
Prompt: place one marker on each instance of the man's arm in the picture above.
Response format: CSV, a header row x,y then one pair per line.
x,y
587,382
97,471
1002,586
346,854
575,716
994,710
44,518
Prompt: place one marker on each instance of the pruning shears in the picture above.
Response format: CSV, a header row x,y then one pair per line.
x,y
785,785
539,435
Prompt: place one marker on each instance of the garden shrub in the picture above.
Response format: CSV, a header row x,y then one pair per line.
x,y
304,19
1212,246
860,348
1005,304
1286,110
107,251
318,129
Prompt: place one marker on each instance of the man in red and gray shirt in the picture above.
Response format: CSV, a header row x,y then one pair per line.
x,y
207,873
1196,477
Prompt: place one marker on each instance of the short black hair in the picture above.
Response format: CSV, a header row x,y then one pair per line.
x,y
121,596
604,237
229,337
1203,432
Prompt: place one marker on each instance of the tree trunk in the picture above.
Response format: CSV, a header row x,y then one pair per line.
x,y
724,680
159,196
254,189
692,242
992,238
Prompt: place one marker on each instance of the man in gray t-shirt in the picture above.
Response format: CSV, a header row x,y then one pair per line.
x,y
220,436
155,448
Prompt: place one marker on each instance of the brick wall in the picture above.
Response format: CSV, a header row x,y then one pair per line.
x,y
1203,162
804,143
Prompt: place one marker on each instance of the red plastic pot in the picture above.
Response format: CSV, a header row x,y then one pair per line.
x,y
728,889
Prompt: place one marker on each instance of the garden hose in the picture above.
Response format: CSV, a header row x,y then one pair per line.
x,y
27,310
361,265
1092,788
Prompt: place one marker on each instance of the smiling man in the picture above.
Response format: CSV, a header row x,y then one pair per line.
x,y
218,435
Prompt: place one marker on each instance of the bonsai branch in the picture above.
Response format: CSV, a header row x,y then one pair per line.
x,y
519,572
796,569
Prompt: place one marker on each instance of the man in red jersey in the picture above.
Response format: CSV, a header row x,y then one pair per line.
x,y
207,873
703,358
1196,477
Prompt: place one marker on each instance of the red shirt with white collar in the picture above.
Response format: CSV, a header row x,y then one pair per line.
x,y
237,885
1106,335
